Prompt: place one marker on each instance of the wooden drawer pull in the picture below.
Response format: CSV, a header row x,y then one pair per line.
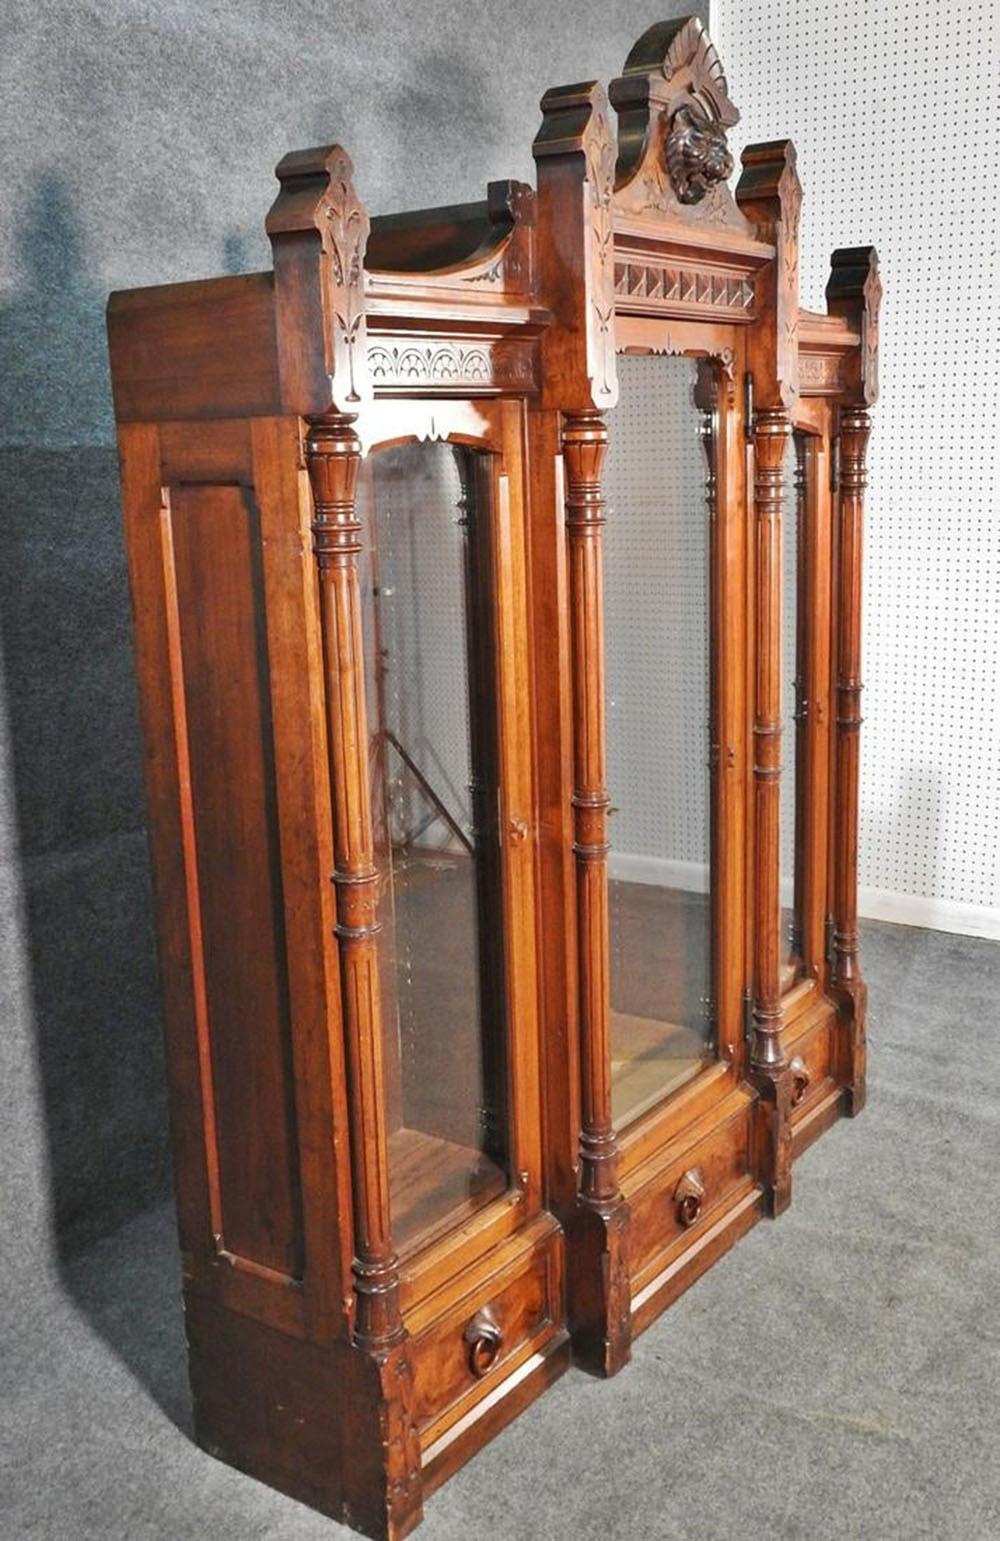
x,y
484,1338
800,1080
689,1196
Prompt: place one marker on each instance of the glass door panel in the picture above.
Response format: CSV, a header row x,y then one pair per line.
x,y
657,584
434,782
793,675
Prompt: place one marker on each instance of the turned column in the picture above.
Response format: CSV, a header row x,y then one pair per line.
x,y
853,293
771,430
855,427
584,443
770,195
333,454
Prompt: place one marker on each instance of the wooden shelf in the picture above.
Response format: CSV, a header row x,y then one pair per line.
x,y
436,1184
649,1060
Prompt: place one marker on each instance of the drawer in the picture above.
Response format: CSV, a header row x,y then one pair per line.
x,y
685,1192
812,1059
486,1333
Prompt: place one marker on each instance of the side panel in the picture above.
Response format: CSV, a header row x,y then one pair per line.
x,y
227,641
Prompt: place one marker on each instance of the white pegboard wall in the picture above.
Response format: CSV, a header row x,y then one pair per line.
x,y
892,109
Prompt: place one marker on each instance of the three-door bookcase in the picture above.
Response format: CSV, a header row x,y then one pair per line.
x,y
487,562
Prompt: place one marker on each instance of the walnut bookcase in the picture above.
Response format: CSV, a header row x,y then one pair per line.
x,y
428,1147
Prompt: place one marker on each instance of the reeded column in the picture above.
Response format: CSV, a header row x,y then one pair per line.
x,y
585,442
334,455
855,427
771,431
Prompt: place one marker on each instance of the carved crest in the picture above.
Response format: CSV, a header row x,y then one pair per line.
x,y
697,150
673,112
697,155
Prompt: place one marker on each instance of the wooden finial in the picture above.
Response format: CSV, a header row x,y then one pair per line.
x,y
575,152
319,229
770,195
854,291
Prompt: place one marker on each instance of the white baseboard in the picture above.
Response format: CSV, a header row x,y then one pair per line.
x,y
873,903
934,914
661,872
658,871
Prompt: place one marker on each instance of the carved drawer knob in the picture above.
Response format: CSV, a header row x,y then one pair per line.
x,y
689,1195
484,1338
800,1080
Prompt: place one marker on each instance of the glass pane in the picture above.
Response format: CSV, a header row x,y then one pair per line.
x,y
792,665
657,647
434,780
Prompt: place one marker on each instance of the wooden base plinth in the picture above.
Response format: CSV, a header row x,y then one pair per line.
x,y
597,1287
772,1144
327,1424
852,1000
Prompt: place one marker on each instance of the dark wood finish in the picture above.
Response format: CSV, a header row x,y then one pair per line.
x,y
364,1309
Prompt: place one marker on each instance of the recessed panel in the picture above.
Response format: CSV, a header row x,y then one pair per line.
x,y
215,607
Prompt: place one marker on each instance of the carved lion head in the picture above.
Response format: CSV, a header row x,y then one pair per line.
x,y
697,155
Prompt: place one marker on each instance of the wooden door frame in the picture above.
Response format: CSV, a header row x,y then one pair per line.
x,y
493,428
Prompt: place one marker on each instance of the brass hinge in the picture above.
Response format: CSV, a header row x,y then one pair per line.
x,y
747,1015
835,463
828,939
748,405
707,1006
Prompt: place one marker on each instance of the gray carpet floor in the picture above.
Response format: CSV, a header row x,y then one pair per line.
x,y
836,1375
